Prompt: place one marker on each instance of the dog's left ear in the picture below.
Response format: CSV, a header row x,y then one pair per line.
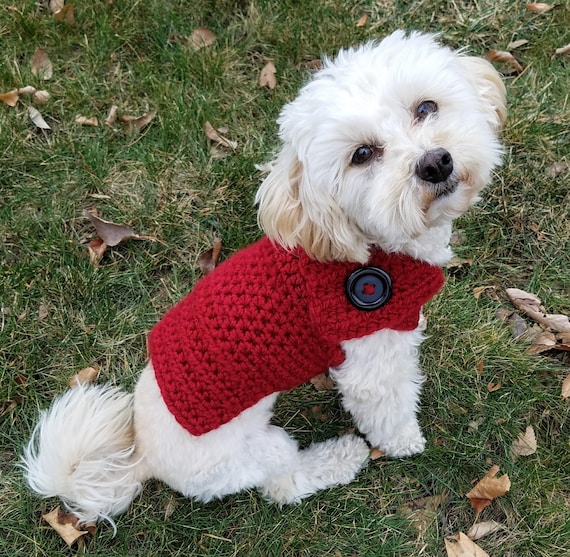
x,y
490,87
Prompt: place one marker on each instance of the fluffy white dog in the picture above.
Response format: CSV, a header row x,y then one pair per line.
x,y
382,149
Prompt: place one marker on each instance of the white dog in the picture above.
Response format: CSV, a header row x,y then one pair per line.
x,y
382,149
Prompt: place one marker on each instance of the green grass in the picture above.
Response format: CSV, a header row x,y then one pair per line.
x,y
60,314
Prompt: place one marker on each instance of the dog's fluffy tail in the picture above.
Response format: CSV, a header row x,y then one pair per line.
x,y
82,450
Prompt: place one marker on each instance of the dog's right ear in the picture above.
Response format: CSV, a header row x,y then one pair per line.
x,y
279,208
490,87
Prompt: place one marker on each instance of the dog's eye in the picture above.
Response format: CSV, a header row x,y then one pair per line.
x,y
425,108
362,154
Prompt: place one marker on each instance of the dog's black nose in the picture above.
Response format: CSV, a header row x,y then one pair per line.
x,y
435,166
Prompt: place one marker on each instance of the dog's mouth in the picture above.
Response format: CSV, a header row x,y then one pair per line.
x,y
442,189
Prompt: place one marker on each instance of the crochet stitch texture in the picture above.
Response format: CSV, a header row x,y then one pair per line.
x,y
268,320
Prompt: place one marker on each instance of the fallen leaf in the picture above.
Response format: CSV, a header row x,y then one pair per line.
x,y
566,387
111,115
11,98
85,121
458,262
209,259
462,546
539,7
543,342
86,375
504,57
27,90
482,529
488,488
37,118
111,233
362,21
201,38
558,168
516,44
530,305
56,5
41,97
375,454
218,138
8,405
524,444
492,387
323,382
134,123
423,512
41,64
65,524
478,290
96,249
562,50
511,318
267,76
66,14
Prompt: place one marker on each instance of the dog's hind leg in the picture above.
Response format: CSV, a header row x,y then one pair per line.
x,y
247,452
322,465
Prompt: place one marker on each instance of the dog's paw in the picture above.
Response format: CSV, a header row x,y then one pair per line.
x,y
406,442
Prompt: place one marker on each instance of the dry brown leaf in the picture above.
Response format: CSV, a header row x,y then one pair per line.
x,y
41,97
539,7
65,524
111,115
492,387
478,290
505,58
201,38
562,50
566,387
458,262
87,121
217,137
323,382
11,98
482,529
96,249
375,454
462,546
27,90
41,64
423,512
86,375
111,233
37,118
137,123
488,488
56,5
530,305
516,44
66,14
543,342
209,259
267,76
558,168
362,21
524,444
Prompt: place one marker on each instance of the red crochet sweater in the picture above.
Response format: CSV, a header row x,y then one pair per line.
x,y
268,320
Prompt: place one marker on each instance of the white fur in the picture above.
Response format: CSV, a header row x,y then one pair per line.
x,y
96,445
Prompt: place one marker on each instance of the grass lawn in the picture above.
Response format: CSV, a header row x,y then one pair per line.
x,y
60,313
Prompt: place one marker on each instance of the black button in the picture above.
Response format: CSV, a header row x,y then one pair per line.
x,y
368,288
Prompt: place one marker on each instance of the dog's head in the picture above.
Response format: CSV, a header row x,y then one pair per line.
x,y
384,147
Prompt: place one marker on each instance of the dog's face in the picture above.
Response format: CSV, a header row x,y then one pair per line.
x,y
387,143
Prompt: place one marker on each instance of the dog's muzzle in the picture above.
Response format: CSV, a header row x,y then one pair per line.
x,y
435,167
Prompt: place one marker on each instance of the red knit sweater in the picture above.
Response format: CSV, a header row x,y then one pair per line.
x,y
268,320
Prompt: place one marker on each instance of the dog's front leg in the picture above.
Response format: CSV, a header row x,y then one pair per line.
x,y
380,382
